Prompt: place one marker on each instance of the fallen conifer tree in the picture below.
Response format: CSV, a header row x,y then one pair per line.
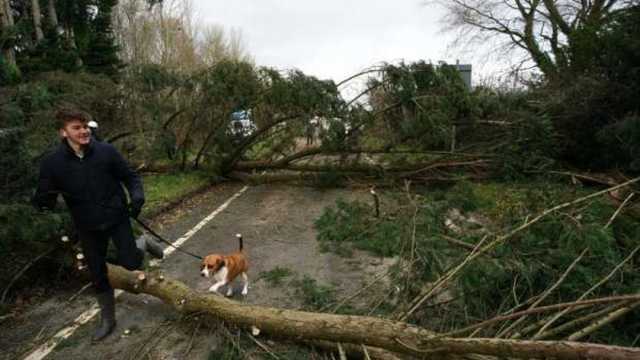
x,y
395,336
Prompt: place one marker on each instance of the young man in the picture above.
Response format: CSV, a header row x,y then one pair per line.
x,y
89,175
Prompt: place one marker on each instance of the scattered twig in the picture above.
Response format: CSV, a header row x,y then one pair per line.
x,y
263,347
357,293
615,214
85,287
343,355
575,322
603,321
539,323
545,294
7,316
586,293
585,177
440,282
143,350
229,335
24,270
459,243
500,239
379,301
38,337
365,352
541,309
190,344
352,350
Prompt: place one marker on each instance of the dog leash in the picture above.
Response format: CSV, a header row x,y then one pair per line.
x,y
146,227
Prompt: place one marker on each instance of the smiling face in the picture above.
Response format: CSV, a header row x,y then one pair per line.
x,y
210,265
77,133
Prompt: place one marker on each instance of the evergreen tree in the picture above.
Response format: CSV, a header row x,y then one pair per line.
x,y
101,53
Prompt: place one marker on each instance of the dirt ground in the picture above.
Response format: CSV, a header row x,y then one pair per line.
x,y
276,222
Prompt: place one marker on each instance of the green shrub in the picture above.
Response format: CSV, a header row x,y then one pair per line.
x,y
9,74
622,139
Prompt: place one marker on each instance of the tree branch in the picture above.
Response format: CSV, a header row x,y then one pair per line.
x,y
385,334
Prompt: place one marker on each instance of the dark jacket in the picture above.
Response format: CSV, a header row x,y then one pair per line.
x,y
91,186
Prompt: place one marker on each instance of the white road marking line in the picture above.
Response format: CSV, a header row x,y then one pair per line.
x,y
200,225
46,348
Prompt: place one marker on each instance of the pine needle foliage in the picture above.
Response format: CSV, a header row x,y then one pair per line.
x,y
512,273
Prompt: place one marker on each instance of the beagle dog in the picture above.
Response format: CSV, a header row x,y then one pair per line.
x,y
225,268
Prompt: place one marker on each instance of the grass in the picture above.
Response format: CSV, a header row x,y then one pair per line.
x,y
163,189
275,276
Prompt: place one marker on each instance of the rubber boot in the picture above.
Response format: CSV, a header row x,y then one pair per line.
x,y
145,243
107,302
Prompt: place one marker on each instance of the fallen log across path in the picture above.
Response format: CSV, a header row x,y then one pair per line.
x,y
395,336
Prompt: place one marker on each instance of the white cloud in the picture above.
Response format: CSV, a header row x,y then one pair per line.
x,y
331,39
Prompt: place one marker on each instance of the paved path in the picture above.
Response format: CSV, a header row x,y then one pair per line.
x,y
277,226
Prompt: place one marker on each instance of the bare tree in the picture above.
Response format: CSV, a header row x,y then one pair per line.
x,y
235,46
169,35
542,30
213,46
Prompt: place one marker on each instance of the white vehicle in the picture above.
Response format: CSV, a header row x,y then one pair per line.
x,y
241,124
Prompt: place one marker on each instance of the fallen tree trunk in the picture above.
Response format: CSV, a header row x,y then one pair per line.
x,y
287,163
268,178
391,335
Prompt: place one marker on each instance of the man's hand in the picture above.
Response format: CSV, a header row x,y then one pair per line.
x,y
135,207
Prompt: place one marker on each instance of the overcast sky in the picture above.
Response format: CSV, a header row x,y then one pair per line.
x,y
331,38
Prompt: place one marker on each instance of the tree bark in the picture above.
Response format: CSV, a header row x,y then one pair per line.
x,y
36,16
203,148
53,16
6,20
405,170
391,335
271,178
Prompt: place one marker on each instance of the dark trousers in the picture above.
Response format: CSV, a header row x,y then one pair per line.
x,y
94,246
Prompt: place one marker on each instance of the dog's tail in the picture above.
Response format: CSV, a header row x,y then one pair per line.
x,y
239,236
